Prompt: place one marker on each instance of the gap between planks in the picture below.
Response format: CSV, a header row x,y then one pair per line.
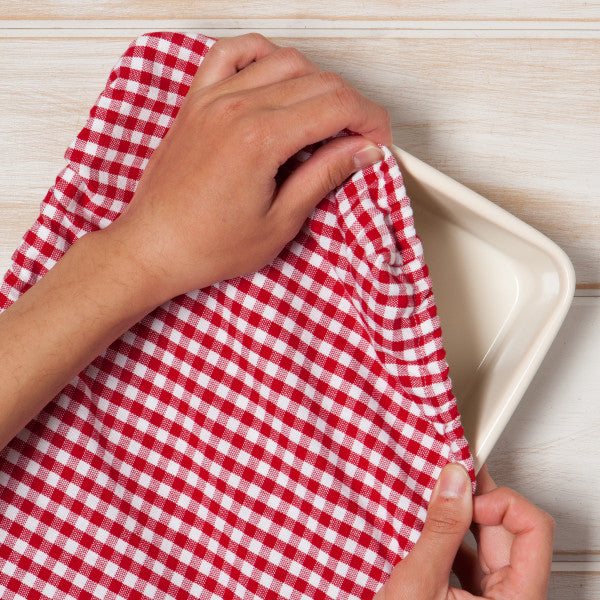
x,y
305,28
576,567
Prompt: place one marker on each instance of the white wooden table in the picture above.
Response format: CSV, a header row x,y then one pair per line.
x,y
505,98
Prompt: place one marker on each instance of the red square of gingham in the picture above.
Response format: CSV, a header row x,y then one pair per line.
x,y
276,435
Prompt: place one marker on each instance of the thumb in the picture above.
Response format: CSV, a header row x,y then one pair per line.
x,y
326,169
425,572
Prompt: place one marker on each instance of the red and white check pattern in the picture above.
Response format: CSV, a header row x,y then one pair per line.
x,y
273,436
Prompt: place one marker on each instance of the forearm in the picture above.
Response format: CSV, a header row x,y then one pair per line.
x,y
207,208
87,300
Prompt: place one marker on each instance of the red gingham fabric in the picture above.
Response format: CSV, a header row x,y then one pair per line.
x,y
276,435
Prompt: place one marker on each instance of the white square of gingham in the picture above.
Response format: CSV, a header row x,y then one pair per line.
x,y
271,436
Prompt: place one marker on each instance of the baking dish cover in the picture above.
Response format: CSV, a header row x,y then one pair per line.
x,y
273,435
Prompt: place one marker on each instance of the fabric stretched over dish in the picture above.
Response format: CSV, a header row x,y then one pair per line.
x,y
276,435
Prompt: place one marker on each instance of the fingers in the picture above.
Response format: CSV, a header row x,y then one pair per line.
x,y
485,483
230,55
495,538
532,528
282,64
424,573
304,104
325,114
307,109
506,507
301,87
325,170
448,518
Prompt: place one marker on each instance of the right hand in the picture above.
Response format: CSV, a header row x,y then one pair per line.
x,y
514,546
207,206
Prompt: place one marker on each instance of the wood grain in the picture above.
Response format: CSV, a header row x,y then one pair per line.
x,y
342,9
42,108
549,451
574,586
510,109
495,114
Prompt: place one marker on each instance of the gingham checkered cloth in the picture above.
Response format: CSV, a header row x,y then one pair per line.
x,y
276,435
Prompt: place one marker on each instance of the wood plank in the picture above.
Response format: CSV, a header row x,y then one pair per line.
x,y
549,450
574,586
306,28
542,442
515,120
570,585
296,9
42,107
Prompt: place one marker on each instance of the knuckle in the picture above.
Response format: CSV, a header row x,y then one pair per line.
x,y
509,494
291,56
444,521
346,98
220,47
282,228
254,134
255,37
549,523
496,586
230,107
332,176
331,79
223,46
289,230
385,116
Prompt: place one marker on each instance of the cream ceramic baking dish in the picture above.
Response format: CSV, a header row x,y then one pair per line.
x,y
502,290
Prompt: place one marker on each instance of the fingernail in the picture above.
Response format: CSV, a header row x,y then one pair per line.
x,y
365,157
453,481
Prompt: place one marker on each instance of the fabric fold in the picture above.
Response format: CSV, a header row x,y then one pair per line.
x,y
273,435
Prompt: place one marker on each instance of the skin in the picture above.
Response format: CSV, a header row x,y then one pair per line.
x,y
208,202
514,546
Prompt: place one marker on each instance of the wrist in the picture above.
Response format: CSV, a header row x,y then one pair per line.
x,y
91,296
117,259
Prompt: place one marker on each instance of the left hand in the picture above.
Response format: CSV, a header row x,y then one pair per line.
x,y
207,207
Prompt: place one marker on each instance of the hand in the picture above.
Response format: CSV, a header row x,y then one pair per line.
x,y
207,207
514,546
514,540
